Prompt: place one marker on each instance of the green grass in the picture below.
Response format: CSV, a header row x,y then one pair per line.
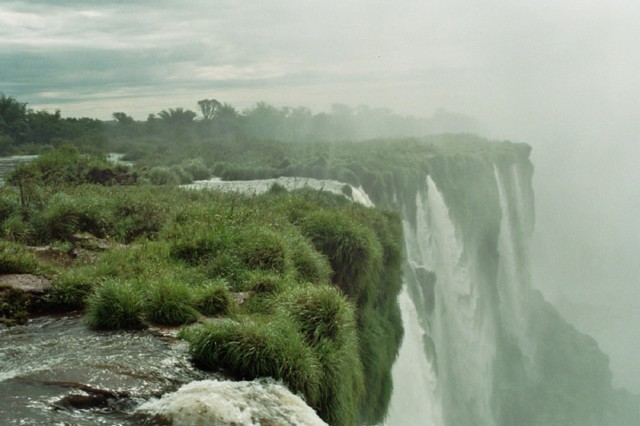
x,y
15,259
352,249
317,275
213,299
70,290
263,347
117,305
170,302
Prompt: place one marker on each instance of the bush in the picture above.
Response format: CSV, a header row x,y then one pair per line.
x,y
213,299
197,169
263,248
68,214
170,302
71,289
163,176
327,320
184,177
309,264
15,228
9,203
15,259
265,282
352,249
249,349
116,305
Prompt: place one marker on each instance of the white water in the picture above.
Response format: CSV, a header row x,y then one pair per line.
x,y
414,395
513,280
454,385
255,187
226,403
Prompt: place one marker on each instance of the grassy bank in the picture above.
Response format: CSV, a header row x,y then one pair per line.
x,y
297,286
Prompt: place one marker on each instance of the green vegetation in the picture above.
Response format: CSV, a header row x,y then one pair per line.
x,y
267,292
15,259
116,305
301,276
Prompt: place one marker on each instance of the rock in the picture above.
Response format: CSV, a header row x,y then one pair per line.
x,y
53,255
25,283
89,242
21,294
240,297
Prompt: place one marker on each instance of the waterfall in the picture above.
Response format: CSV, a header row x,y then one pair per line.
x,y
457,338
481,347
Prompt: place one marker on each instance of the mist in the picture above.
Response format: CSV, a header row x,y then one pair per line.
x,y
563,77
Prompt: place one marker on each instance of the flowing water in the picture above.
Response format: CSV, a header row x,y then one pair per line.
x,y
8,164
57,371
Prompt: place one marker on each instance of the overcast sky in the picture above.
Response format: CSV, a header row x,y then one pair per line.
x,y
561,75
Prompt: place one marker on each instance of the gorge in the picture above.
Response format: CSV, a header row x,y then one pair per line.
x,y
481,346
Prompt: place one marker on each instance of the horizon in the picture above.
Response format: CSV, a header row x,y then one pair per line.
x,y
561,77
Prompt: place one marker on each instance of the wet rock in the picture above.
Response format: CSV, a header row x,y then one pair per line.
x,y
53,255
21,294
90,242
25,283
240,297
86,242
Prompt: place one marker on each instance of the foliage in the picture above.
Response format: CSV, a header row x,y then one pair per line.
x,y
248,349
15,259
213,299
170,302
71,288
116,305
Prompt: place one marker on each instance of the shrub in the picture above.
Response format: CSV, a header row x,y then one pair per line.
x,y
327,320
67,214
139,213
352,249
15,228
249,349
197,169
213,299
322,312
15,259
163,176
116,305
170,302
9,203
309,264
184,176
263,248
263,282
71,288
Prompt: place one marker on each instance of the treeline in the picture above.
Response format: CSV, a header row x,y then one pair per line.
x,y
24,130
265,121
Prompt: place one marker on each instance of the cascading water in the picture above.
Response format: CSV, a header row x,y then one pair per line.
x,y
480,347
493,351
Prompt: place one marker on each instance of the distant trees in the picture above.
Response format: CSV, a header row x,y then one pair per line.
x,y
123,119
32,130
13,118
208,108
177,116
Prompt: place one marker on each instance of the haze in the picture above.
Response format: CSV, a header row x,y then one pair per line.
x,y
561,76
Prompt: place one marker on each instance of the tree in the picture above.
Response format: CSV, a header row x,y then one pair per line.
x,y
122,119
13,118
177,116
208,108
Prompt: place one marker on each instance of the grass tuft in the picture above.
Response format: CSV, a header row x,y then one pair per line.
x,y
170,302
248,349
15,259
116,305
213,299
